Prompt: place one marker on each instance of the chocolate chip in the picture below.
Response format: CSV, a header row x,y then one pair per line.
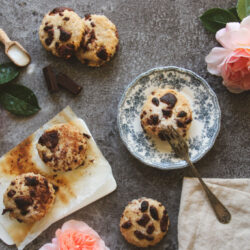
x,y
57,45
154,212
188,120
19,220
155,101
86,135
48,41
66,18
169,99
150,229
59,10
13,183
87,16
181,114
56,188
64,35
139,235
11,193
163,135
126,225
167,113
24,212
23,202
180,124
6,210
49,139
154,120
66,51
32,193
80,148
31,181
143,221
102,53
47,28
144,206
149,238
164,223
92,24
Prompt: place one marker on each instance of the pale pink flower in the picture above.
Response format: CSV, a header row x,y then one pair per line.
x,y
232,61
75,235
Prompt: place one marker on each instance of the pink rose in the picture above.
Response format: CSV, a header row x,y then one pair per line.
x,y
232,62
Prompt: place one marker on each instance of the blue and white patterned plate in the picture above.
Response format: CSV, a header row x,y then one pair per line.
x,y
204,128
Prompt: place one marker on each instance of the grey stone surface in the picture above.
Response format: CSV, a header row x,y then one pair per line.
x,y
152,33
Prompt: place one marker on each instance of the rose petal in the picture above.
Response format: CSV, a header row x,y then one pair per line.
x,y
245,23
215,59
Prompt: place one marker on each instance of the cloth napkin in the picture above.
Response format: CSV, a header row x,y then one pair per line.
x,y
198,228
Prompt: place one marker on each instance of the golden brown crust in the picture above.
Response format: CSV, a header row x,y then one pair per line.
x,y
166,107
29,197
63,147
144,222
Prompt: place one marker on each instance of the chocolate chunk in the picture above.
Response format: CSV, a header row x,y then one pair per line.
x,y
67,83
24,212
126,225
87,16
154,212
49,139
86,135
56,188
50,79
155,101
59,10
19,220
154,120
164,223
149,238
80,148
167,113
102,53
180,124
139,235
5,210
31,181
66,18
92,24
188,120
66,51
150,229
163,135
143,221
46,158
48,41
32,193
57,45
144,206
181,114
23,202
13,183
11,193
169,99
47,28
64,35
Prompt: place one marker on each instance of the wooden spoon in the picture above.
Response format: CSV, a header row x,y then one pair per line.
x,y
14,50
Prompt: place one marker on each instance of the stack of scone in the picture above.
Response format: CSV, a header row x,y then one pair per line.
x,y
93,39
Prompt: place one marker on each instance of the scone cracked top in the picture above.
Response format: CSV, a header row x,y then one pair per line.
x,y
63,147
61,32
29,197
163,108
99,41
144,222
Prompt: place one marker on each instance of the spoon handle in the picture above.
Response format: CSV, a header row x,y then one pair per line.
x,y
220,210
4,38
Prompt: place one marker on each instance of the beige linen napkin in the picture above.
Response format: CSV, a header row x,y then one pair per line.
x,y
198,228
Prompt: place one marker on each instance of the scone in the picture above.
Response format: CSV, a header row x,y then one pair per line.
x,y
63,147
166,107
144,222
29,197
99,42
61,32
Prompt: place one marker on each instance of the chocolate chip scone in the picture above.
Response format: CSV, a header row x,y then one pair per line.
x,y
163,108
29,197
61,32
144,222
99,42
63,147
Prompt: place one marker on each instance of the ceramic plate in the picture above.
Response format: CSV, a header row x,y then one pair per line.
x,y
204,128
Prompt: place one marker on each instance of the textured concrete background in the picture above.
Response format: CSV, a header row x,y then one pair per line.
x,y
152,33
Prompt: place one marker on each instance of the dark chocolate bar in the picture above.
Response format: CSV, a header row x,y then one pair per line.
x,y
67,83
50,78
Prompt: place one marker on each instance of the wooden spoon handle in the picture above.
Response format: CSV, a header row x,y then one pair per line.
x,y
4,38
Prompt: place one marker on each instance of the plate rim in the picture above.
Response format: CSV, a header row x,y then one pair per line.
x,y
182,164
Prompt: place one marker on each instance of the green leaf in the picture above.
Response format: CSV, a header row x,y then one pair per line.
x,y
234,12
216,19
243,8
8,71
18,99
